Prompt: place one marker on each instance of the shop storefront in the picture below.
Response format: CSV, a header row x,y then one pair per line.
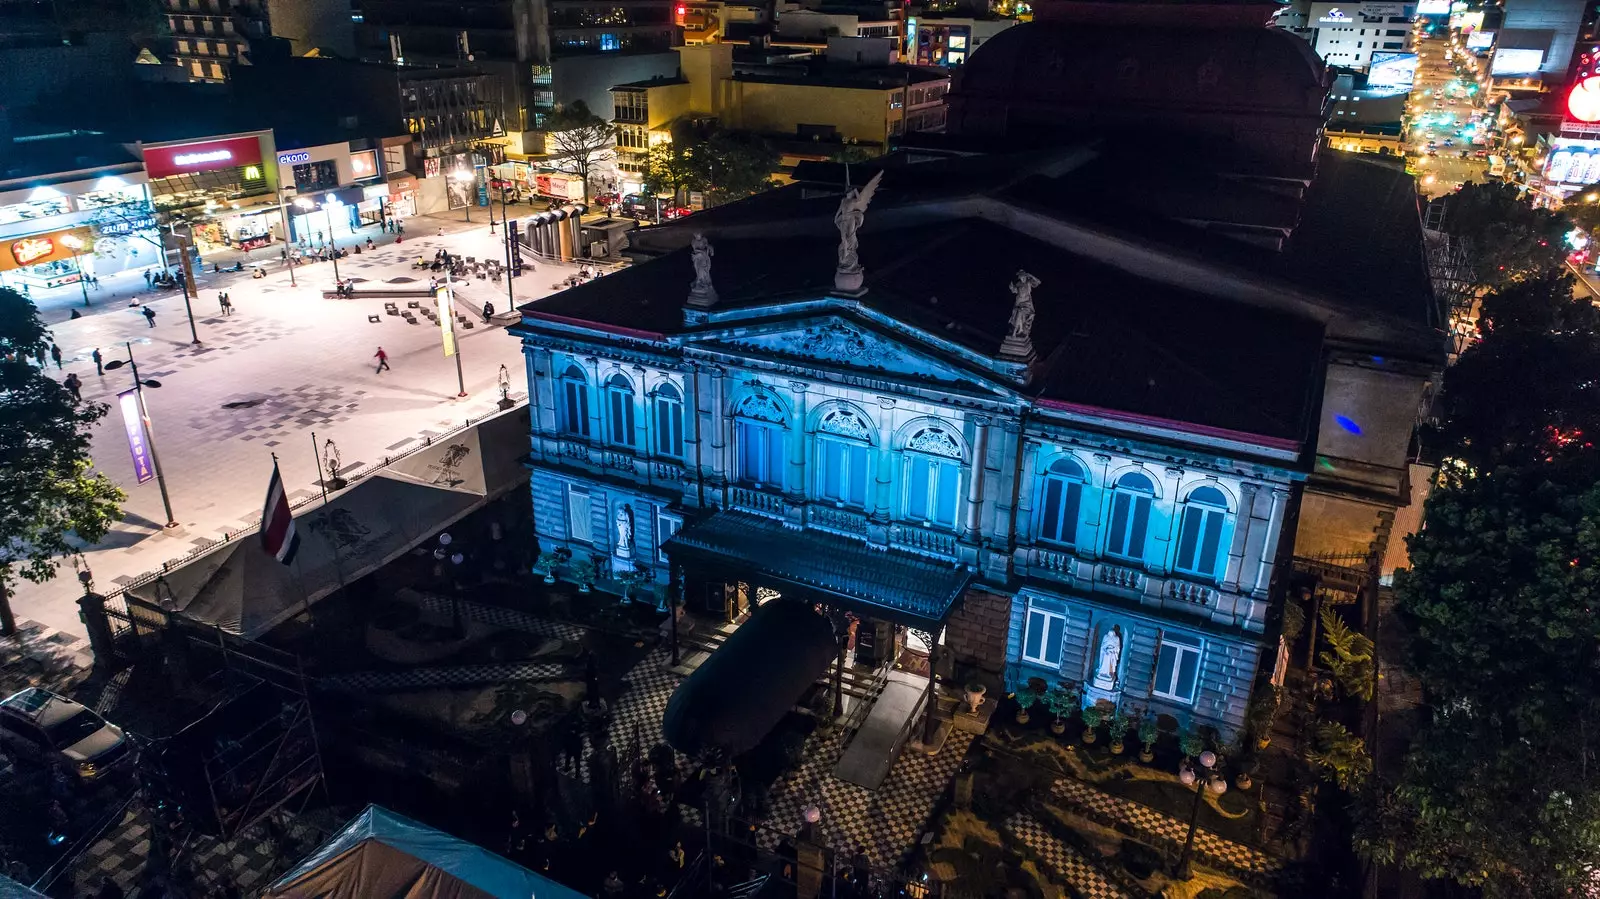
x,y
44,261
403,196
54,234
335,214
221,187
348,182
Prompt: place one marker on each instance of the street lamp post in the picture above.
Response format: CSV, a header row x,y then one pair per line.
x,y
288,244
1204,779
505,219
186,241
149,431
333,242
450,310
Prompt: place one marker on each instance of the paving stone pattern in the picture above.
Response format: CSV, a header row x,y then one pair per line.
x,y
455,676
1145,819
1062,860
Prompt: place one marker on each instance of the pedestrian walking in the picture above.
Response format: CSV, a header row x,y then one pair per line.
x,y
149,279
488,311
150,316
74,385
99,369
55,353
225,302
399,227
383,360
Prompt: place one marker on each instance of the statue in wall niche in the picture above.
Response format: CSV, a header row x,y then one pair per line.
x,y
624,531
1022,310
700,253
1105,672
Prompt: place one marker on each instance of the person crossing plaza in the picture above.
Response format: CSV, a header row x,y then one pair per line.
x,y
383,360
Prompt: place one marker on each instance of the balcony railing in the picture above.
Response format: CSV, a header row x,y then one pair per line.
x,y
769,504
1054,561
924,541
1121,576
847,522
575,449
1189,591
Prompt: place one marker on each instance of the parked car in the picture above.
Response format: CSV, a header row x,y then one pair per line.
x,y
40,726
668,213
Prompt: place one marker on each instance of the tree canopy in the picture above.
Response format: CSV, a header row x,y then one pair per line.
x,y
577,141
1509,239
49,493
724,165
1499,790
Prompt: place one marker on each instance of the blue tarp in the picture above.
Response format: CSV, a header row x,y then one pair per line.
x,y
382,855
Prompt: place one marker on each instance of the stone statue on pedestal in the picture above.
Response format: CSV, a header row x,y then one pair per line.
x,y
849,276
701,292
1105,672
624,548
1019,341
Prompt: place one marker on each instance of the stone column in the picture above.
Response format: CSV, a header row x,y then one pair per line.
x,y
973,530
597,401
1160,559
641,414
883,492
92,612
1089,546
1269,546
716,419
1021,524
795,485
1245,525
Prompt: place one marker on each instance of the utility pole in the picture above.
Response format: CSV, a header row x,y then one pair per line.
x,y
184,243
449,309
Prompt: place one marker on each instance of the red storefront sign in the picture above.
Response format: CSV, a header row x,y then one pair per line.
x,y
206,156
41,248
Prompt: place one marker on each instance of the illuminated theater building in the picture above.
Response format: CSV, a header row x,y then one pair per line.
x,y
1063,423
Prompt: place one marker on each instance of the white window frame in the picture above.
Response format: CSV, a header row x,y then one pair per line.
x,y
667,527
1206,510
570,387
1027,623
1180,646
580,498
846,446
619,388
663,437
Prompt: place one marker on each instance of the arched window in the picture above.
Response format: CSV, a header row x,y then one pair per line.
x,y
933,477
1205,517
574,402
1130,516
1058,507
758,440
669,421
619,411
844,452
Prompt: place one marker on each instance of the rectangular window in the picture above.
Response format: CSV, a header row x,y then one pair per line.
x,y
844,472
575,408
620,412
932,491
760,454
669,428
1130,516
1177,668
1200,539
1060,514
666,528
580,514
1041,637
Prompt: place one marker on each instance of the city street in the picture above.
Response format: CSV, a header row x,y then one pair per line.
x,y
1440,114
285,364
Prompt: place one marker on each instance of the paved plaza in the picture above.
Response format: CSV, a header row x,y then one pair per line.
x,y
286,363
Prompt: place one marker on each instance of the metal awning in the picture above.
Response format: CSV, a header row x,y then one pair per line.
x,y
821,567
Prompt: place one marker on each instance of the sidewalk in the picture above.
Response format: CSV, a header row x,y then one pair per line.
x,y
286,364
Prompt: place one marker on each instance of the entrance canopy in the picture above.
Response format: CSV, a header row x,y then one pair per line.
x,y
894,586
745,688
244,591
381,855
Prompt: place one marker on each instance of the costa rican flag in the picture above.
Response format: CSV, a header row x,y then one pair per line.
x,y
278,535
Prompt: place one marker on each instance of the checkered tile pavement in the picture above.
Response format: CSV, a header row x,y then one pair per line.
x,y
505,618
1064,861
250,861
39,656
457,676
1168,828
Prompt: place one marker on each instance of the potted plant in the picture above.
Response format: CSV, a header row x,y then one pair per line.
x,y
1244,779
1092,717
1117,730
545,566
1062,700
1147,739
634,577
1025,698
584,572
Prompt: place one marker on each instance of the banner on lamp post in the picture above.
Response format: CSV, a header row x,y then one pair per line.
x,y
138,440
447,320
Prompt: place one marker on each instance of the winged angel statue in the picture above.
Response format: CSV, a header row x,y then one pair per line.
x,y
852,212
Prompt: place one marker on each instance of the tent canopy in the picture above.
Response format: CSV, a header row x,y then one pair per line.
x,y
382,855
244,591
733,700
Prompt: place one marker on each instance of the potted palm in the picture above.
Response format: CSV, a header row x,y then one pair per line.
x,y
1092,717
1062,701
1025,697
1147,740
1117,730
584,572
545,566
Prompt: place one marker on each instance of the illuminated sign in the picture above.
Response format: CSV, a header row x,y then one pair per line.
x,y
1572,161
364,164
1433,8
52,246
1480,40
1392,71
1516,61
1583,103
161,162
1335,16
292,158
138,440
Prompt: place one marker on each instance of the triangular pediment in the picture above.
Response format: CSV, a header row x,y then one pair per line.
x,y
834,342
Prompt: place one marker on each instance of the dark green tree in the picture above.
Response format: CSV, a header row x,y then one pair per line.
x,y
577,141
51,500
670,167
1500,789
1508,239
1526,391
732,165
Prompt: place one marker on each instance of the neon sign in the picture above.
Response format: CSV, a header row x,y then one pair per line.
x,y
1335,16
1583,103
198,158
291,158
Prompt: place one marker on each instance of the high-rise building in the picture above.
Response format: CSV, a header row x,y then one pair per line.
x,y
1550,27
210,37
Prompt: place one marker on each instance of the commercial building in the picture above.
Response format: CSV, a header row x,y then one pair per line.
x,y
211,37
1350,35
223,187
1538,38
992,416
812,109
948,41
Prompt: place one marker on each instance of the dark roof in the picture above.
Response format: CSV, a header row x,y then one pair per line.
x,y
54,155
889,584
855,77
658,81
